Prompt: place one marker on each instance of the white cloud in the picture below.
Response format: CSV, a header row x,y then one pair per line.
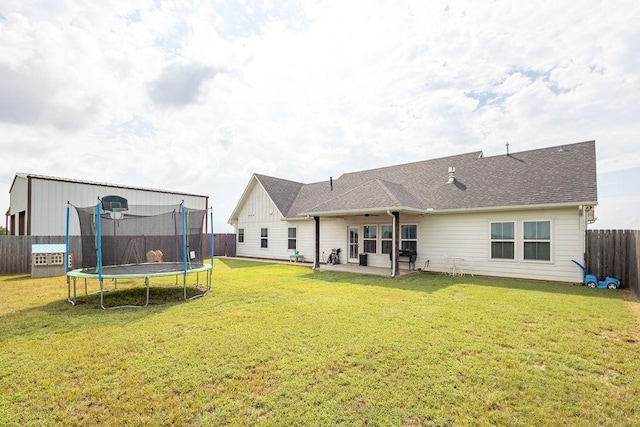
x,y
197,96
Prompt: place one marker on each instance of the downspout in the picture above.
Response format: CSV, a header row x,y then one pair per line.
x,y
393,244
585,221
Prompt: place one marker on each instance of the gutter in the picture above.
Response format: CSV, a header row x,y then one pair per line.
x,y
380,210
512,208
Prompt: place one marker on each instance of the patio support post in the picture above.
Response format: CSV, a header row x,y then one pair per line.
x,y
396,242
316,256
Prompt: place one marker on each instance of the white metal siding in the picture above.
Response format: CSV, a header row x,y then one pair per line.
x,y
18,203
49,202
18,196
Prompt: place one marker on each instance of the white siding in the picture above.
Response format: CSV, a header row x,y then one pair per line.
x,y
18,196
18,203
49,202
468,236
333,235
463,235
259,212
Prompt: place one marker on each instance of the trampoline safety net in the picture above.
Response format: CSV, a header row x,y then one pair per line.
x,y
141,234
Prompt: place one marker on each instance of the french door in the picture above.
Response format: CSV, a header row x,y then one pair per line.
x,y
354,234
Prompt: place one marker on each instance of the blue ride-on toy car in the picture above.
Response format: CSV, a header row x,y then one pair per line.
x,y
592,281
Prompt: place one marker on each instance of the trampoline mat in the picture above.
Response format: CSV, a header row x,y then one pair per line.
x,y
141,270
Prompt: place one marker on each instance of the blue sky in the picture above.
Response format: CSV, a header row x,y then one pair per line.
x,y
196,96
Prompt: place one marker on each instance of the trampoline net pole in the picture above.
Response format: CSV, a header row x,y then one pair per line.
x,y
99,241
184,241
66,245
212,238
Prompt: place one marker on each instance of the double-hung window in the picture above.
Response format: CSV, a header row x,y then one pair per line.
x,y
370,238
502,240
264,237
409,237
537,240
240,235
292,239
386,235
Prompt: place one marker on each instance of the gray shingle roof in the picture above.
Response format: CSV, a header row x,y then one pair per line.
x,y
549,176
283,192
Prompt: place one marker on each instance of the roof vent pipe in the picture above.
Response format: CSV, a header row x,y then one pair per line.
x,y
507,145
331,183
452,175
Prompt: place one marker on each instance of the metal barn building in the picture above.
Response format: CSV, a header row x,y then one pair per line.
x,y
38,204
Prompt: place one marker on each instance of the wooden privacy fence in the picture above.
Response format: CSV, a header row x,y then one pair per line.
x,y
15,251
615,253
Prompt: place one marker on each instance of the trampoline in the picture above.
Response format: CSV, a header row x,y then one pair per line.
x,y
120,241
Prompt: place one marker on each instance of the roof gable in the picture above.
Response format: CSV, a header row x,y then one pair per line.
x,y
283,192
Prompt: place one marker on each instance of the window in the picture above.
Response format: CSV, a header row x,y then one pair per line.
x,y
264,237
240,235
386,232
409,237
370,238
40,259
537,240
292,238
57,259
502,240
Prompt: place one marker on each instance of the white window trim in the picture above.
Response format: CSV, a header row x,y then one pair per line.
x,y
382,239
551,239
40,259
364,239
400,239
515,241
292,238
56,259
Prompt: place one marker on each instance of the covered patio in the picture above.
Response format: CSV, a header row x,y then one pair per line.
x,y
358,269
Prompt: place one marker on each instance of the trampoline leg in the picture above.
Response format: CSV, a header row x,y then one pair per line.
x,y
184,286
69,300
146,282
86,289
102,296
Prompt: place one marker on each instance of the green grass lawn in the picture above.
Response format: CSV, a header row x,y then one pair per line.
x,y
282,345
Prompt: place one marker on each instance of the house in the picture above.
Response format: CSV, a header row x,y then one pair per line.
x,y
38,203
520,215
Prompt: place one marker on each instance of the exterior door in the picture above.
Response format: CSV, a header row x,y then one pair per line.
x,y
354,233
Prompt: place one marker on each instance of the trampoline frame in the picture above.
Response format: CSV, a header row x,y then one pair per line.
x,y
81,274
99,273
